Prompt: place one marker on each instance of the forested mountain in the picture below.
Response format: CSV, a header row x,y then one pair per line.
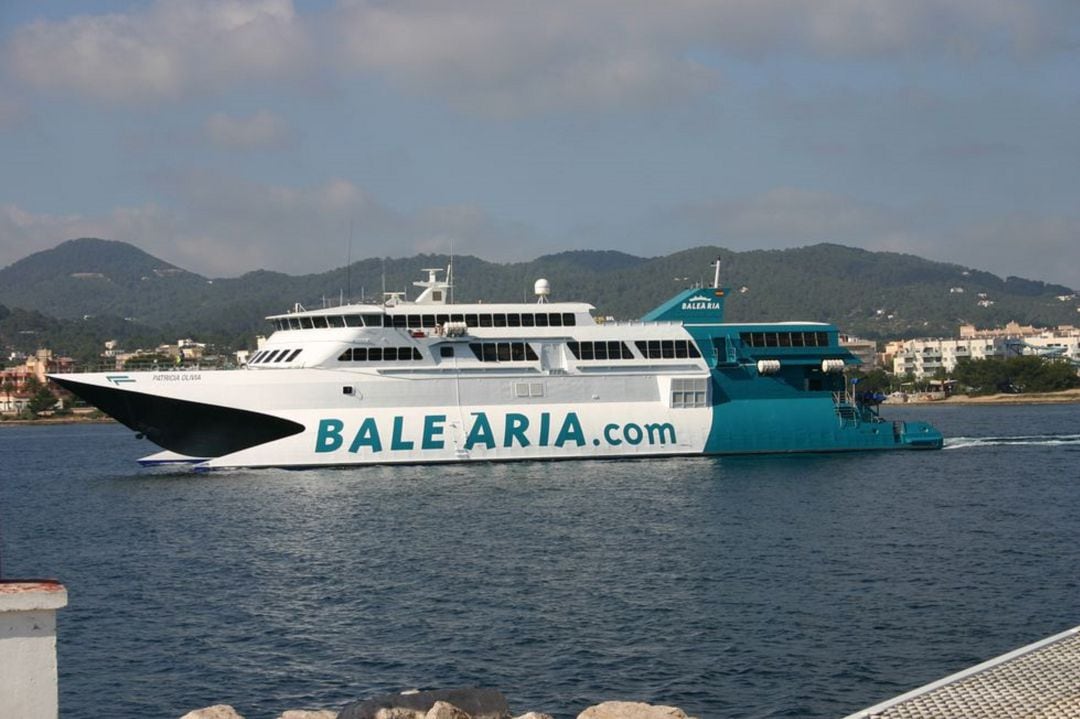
x,y
874,294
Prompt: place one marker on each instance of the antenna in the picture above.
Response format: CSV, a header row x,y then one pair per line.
x,y
450,271
348,264
384,278
716,275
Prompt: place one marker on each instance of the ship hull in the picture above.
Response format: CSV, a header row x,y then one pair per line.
x,y
308,418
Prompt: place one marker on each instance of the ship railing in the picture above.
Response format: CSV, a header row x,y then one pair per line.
x,y
110,366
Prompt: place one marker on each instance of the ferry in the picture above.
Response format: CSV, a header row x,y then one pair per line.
x,y
429,380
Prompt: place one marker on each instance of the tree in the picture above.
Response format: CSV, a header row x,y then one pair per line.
x,y
41,397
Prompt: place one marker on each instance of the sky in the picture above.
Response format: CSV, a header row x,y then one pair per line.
x,y
231,135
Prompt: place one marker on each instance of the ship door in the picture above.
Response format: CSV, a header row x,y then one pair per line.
x,y
552,358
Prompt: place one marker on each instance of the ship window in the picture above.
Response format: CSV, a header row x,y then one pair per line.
x,y
689,392
472,320
822,339
305,323
568,319
442,319
785,339
692,349
360,354
503,353
347,389
255,358
428,321
446,351
414,321
353,321
616,350
345,356
335,321
281,356
374,354
600,350
654,349
540,320
680,349
587,351
485,320
489,352
527,320
797,339
294,355
553,320
517,351
392,354
457,318
499,320
436,296
667,349
399,321
319,322
269,357
513,320
294,323
373,320
575,349
416,354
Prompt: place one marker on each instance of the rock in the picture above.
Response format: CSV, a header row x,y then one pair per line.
x,y
535,715
399,713
445,710
631,710
476,703
218,711
308,714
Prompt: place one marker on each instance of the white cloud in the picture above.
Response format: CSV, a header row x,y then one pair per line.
x,y
223,226
263,129
505,56
166,50
513,57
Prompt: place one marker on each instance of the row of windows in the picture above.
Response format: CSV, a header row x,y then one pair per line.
x,y
785,339
499,319
265,356
503,351
380,354
667,349
600,350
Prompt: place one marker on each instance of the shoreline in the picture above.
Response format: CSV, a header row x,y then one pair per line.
x,y
1067,396
52,421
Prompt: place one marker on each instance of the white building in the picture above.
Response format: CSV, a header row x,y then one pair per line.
x,y
923,358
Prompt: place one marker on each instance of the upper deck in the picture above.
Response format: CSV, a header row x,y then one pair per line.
x,y
686,333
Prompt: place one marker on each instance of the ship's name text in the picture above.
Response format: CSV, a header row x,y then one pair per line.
x,y
512,429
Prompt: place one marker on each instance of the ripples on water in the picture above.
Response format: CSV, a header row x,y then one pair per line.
x,y
807,586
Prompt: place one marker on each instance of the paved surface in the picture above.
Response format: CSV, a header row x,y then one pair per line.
x,y
1039,681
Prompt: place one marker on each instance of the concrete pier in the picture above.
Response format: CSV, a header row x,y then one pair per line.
x,y
28,647
1039,680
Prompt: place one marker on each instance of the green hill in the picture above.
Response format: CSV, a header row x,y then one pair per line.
x,y
874,294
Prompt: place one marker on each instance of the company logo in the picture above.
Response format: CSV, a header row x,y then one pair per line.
x,y
510,430
119,379
700,302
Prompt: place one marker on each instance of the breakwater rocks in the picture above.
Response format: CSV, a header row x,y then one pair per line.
x,y
448,704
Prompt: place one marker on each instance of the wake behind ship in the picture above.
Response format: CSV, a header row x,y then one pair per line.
x,y
432,381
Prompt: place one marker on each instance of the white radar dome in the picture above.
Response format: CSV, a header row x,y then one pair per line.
x,y
542,288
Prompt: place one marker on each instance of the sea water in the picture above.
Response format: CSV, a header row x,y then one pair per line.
x,y
773,586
